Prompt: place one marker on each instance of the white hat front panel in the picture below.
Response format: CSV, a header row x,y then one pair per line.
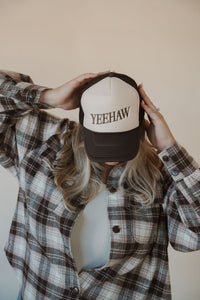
x,y
110,105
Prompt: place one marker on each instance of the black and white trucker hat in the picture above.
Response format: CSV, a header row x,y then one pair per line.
x,y
111,115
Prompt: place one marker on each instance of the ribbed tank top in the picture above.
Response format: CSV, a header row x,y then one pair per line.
x,y
90,236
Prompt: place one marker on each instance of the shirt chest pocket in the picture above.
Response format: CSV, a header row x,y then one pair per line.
x,y
145,224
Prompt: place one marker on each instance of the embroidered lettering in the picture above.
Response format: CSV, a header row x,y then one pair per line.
x,y
93,118
110,117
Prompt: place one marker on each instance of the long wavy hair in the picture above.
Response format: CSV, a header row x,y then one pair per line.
x,y
79,178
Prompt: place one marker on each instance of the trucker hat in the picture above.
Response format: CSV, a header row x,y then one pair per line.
x,y
111,116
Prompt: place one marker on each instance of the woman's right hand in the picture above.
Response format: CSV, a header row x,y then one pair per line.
x,y
68,95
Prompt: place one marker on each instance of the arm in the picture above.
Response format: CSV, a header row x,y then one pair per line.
x,y
18,93
18,97
182,198
23,125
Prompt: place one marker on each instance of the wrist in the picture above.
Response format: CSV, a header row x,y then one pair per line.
x,y
168,144
47,97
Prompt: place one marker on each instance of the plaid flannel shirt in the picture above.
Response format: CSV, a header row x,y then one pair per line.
x,y
38,246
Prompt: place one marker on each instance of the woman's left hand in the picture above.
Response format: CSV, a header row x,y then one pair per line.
x,y
157,129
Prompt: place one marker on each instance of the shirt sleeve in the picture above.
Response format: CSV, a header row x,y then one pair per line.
x,y
21,123
182,198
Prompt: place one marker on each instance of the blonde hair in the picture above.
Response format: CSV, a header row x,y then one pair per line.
x,y
80,179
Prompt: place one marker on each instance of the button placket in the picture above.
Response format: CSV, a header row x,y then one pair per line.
x,y
112,197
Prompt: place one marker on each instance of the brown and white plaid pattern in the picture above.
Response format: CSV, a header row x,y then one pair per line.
x,y
38,246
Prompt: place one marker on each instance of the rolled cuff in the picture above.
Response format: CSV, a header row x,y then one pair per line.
x,y
31,93
178,161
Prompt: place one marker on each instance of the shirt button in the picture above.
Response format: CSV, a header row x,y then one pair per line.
x,y
175,172
75,290
32,94
112,190
116,229
165,158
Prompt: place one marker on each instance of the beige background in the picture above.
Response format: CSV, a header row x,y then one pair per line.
x,y
156,42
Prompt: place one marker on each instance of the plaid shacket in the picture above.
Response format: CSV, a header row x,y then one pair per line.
x,y
38,246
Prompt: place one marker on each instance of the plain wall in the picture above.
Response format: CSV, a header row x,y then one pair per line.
x,y
156,42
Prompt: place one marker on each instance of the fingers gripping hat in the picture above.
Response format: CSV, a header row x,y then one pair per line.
x,y
111,116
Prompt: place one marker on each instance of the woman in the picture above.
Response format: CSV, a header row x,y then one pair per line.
x,y
151,200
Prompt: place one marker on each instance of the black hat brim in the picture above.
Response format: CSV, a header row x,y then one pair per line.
x,y
111,147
